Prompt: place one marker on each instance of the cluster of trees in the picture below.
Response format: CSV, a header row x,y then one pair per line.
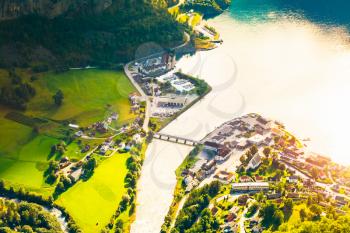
x,y
17,93
24,195
273,215
202,87
311,220
207,223
63,184
89,168
85,37
252,210
245,158
50,173
339,225
58,148
26,217
207,7
196,202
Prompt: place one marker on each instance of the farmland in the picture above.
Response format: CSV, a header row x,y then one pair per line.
x,y
93,202
27,137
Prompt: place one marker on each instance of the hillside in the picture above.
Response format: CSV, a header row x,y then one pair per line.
x,y
82,32
208,8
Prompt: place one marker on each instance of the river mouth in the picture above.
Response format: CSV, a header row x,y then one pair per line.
x,y
288,69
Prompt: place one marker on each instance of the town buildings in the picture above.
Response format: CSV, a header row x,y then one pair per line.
x,y
250,186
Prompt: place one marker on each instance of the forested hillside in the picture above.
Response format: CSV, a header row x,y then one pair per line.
x,y
85,34
207,7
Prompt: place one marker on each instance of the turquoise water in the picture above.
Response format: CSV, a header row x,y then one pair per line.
x,y
336,12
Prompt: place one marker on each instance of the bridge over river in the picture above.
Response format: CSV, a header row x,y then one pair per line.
x,y
176,139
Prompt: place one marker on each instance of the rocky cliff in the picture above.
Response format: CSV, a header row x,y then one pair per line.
x,y
10,9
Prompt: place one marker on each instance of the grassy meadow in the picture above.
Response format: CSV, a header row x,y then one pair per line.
x,y
89,96
92,203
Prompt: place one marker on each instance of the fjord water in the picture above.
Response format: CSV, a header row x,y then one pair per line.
x,y
287,60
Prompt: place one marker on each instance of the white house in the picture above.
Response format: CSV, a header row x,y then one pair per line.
x,y
254,162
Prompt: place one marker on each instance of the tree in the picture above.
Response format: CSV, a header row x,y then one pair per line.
x,y
267,151
278,218
303,214
288,208
58,98
242,159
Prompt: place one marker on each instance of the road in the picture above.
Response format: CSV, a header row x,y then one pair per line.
x,y
142,93
128,73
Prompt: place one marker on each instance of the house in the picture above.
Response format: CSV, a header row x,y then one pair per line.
x,y
271,196
230,217
341,201
293,179
224,177
254,162
243,144
185,172
104,149
259,178
276,178
242,200
231,229
188,180
209,167
256,140
250,186
73,126
214,210
137,138
223,154
257,229
171,102
79,133
244,179
85,149
308,183
262,120
293,195
212,146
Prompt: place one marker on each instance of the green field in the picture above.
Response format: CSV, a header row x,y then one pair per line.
x,y
89,96
92,203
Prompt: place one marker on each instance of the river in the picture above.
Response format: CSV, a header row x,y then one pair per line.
x,y
286,62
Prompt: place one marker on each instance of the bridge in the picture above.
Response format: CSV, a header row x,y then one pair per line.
x,y
176,139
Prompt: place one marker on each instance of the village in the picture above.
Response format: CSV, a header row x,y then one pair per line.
x,y
169,91
101,139
254,156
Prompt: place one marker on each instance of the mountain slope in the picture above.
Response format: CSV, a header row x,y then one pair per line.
x,y
81,32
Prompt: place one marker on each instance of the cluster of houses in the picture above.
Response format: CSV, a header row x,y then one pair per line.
x,y
156,66
231,139
240,134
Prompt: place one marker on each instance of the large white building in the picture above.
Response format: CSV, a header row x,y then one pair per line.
x,y
250,186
